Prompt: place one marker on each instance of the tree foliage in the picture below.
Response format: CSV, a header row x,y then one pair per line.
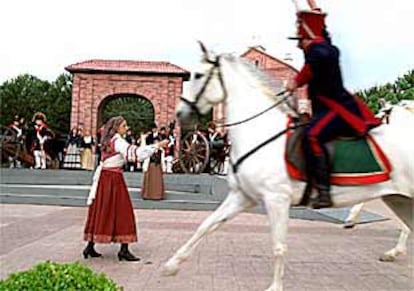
x,y
401,89
138,111
27,94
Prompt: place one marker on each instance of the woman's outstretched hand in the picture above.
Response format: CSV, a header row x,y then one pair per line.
x,y
163,143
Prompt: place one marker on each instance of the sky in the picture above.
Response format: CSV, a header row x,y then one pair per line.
x,y
43,37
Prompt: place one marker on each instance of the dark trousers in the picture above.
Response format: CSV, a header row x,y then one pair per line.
x,y
322,128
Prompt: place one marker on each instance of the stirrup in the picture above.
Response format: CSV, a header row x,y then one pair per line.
x,y
322,203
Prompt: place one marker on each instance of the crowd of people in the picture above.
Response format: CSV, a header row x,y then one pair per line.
x,y
81,150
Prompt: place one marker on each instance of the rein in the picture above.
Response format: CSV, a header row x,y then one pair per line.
x,y
257,114
235,166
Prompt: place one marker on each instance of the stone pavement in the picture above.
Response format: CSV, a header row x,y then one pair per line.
x,y
321,256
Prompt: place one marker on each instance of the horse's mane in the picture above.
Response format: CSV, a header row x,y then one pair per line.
x,y
269,85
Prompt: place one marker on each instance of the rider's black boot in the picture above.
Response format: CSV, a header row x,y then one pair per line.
x,y
322,181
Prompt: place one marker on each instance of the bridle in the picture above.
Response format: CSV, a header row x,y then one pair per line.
x,y
193,105
215,68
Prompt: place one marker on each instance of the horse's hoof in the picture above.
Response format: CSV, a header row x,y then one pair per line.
x,y
387,258
170,269
349,224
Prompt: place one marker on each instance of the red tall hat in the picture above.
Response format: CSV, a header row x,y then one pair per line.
x,y
310,24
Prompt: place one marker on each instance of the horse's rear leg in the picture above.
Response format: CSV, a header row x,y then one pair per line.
x,y
277,207
399,249
235,203
403,208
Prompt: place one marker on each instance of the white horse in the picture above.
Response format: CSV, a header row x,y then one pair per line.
x,y
262,176
397,116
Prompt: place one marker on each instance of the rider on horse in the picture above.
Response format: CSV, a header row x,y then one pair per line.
x,y
335,112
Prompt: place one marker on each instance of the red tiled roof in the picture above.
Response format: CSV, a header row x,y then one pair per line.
x,y
269,56
119,66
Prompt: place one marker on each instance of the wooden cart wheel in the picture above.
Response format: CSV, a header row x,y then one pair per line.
x,y
194,153
218,160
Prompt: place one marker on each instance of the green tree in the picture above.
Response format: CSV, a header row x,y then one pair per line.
x,y
138,111
27,94
58,107
22,95
402,88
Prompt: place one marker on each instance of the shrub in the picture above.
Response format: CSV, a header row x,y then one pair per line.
x,y
52,276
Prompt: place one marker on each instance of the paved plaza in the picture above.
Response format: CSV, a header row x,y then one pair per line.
x,y
321,256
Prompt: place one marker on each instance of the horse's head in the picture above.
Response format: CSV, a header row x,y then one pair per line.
x,y
207,89
220,78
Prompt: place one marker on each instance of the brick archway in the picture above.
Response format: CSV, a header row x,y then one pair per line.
x,y
95,80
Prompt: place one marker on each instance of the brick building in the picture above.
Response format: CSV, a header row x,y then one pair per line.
x,y
276,68
97,81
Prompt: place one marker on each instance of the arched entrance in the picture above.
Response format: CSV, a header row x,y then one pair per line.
x,y
100,84
137,110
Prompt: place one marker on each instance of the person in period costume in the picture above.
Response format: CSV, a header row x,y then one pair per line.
x,y
215,137
170,149
16,128
110,216
153,180
41,134
141,142
87,156
129,137
163,134
72,159
98,145
335,112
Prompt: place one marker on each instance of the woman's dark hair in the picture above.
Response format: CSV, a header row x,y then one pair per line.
x,y
110,129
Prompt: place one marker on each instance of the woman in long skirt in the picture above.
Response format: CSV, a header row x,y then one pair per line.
x,y
110,216
87,156
153,180
72,150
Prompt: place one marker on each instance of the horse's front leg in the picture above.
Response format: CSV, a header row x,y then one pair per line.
x,y
400,248
234,203
353,216
277,207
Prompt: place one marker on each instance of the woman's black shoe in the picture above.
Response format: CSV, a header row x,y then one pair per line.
x,y
127,256
90,251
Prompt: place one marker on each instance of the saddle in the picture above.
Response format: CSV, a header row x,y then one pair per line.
x,y
354,160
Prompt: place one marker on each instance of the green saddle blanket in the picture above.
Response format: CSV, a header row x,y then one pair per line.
x,y
353,161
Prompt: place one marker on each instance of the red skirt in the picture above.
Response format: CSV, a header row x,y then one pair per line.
x,y
111,216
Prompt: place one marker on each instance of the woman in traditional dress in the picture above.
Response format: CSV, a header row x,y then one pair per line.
x,y
153,180
87,157
72,150
111,217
